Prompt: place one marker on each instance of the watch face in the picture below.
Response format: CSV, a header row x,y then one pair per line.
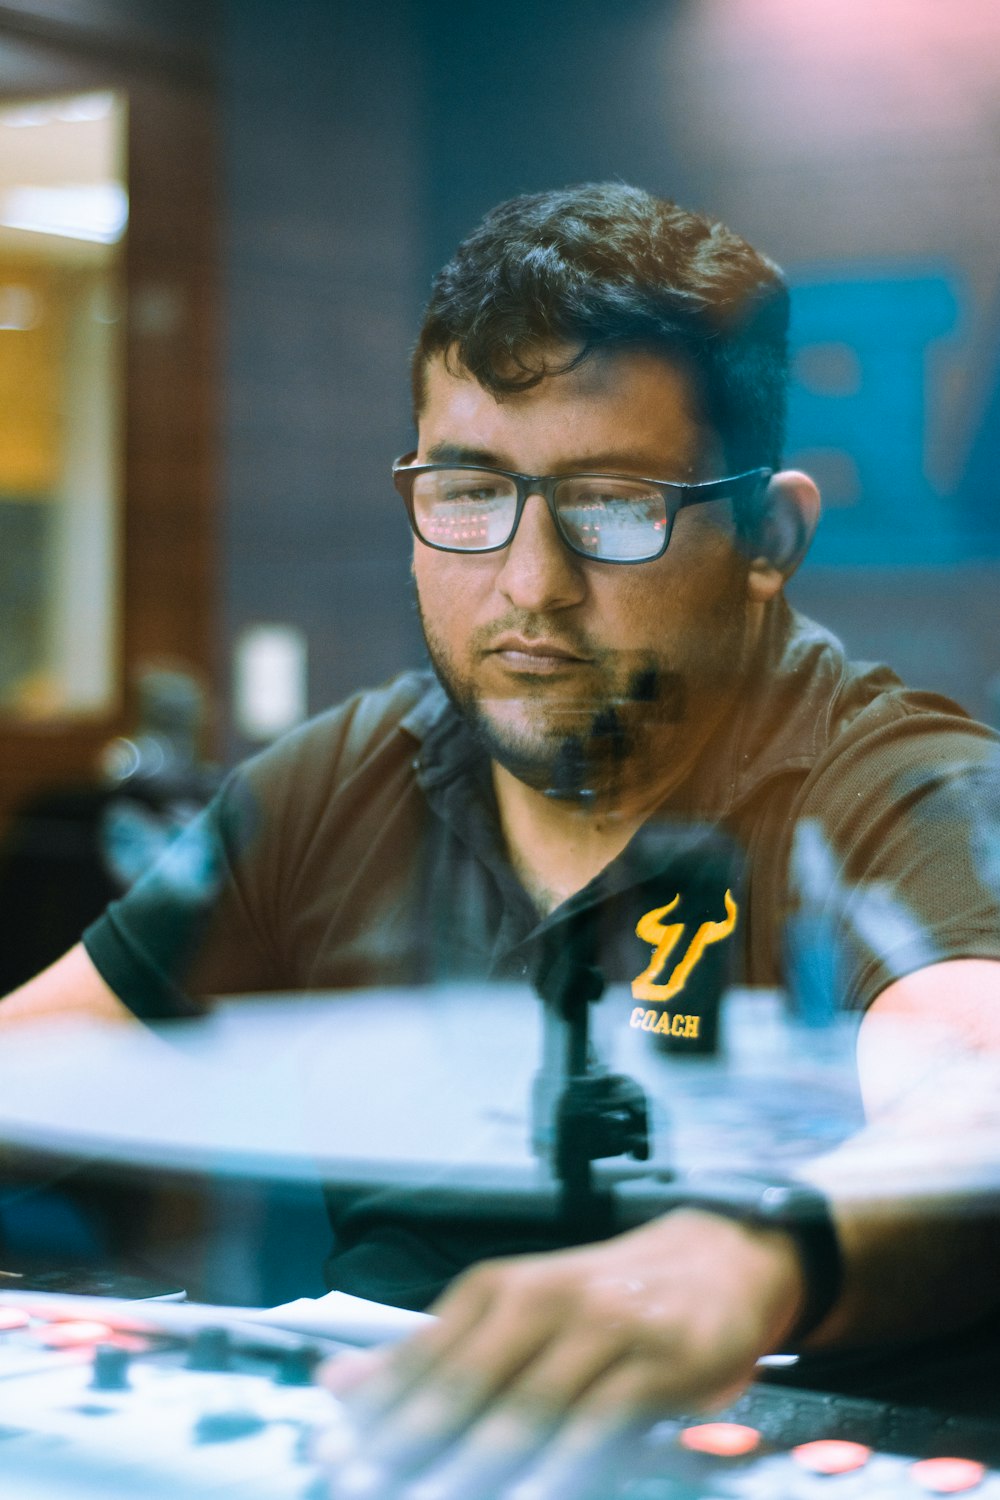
x,y
796,1206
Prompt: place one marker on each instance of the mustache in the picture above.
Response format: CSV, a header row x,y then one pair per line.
x,y
644,682
535,628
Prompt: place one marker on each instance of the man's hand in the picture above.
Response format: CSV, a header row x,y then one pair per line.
x,y
538,1366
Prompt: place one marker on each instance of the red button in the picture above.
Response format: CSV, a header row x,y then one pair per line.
x,y
831,1456
947,1476
721,1439
68,1335
13,1317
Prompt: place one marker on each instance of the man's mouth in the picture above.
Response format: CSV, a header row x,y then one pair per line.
x,y
535,654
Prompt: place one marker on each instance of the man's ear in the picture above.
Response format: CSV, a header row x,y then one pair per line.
x,y
789,513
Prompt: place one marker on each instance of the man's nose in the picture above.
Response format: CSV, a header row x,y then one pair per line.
x,y
539,571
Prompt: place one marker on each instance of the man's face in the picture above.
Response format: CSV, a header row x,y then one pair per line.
x,y
580,675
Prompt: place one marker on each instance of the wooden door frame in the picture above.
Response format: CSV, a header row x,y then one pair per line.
x,y
168,564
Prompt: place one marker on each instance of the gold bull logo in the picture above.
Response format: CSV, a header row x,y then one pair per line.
x,y
664,937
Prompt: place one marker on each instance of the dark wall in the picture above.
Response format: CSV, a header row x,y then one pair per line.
x,y
322,246
520,97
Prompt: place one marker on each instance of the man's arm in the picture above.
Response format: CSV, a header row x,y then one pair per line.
x,y
71,987
560,1353
918,1256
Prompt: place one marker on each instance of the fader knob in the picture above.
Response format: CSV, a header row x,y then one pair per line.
x,y
110,1368
297,1365
227,1426
210,1350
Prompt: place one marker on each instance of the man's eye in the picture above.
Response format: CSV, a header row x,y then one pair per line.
x,y
480,494
612,502
606,489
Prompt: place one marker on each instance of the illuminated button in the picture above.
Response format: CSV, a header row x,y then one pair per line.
x,y
720,1439
947,1476
831,1456
71,1334
13,1317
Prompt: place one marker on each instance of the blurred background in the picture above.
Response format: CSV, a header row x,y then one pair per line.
x,y
218,223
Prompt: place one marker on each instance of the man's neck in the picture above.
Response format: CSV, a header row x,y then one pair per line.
x,y
557,846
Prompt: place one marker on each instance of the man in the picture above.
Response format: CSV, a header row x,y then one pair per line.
x,y
636,739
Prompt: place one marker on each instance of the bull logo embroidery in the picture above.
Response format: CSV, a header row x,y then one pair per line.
x,y
664,937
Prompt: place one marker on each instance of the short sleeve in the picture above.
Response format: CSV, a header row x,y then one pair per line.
x,y
895,856
221,912
184,930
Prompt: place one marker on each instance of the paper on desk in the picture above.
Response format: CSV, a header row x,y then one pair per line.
x,y
337,1316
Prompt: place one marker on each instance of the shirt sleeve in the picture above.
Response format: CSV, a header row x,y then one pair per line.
x,y
220,912
895,856
184,930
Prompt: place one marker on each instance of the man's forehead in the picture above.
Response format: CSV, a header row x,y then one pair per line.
x,y
591,372
621,399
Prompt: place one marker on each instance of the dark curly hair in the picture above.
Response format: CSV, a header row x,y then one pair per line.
x,y
605,266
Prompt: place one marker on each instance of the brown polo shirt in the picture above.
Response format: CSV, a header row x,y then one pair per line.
x,y
843,814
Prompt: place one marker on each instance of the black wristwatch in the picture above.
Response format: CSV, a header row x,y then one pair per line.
x,y
797,1207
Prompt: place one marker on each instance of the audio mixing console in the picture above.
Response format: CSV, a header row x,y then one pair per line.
x,y
94,1408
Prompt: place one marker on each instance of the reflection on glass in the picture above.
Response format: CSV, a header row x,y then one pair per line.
x,y
63,214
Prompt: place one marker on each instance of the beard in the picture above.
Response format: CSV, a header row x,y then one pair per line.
x,y
636,707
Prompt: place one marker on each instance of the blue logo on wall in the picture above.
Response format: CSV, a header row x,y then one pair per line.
x,y
863,355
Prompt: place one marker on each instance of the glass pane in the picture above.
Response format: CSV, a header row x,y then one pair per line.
x,y
63,214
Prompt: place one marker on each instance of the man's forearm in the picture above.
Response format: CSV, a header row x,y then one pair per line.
x,y
915,1193
914,1197
69,988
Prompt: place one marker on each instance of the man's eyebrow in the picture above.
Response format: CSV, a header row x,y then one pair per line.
x,y
643,465
455,453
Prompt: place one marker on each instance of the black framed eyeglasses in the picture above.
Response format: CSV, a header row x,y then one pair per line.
x,y
612,518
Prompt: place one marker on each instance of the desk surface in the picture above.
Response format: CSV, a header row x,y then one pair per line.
x,y
407,1085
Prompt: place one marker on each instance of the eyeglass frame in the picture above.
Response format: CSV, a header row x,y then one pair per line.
x,y
404,474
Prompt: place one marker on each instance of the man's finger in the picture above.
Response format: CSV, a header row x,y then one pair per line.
x,y
593,1444
392,1373
511,1430
345,1372
477,1371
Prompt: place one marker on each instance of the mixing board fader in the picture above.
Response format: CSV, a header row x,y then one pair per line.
x,y
96,1408
88,1411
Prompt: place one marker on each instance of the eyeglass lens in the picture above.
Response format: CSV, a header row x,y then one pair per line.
x,y
617,520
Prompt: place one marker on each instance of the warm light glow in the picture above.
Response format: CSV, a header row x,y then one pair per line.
x,y
947,1476
55,111
96,211
70,1334
831,1456
843,70
720,1439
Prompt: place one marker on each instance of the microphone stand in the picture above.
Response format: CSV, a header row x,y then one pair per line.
x,y
582,1113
